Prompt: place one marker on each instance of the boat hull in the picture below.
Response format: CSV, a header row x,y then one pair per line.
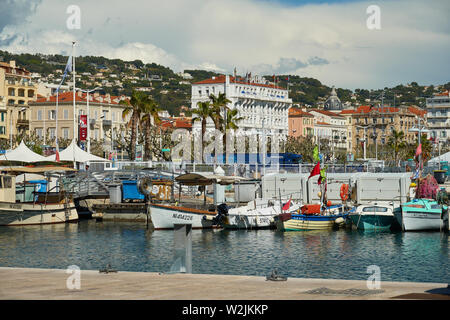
x,y
249,221
166,216
300,222
418,220
22,214
372,221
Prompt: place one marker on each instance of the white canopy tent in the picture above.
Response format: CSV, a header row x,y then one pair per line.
x,y
75,153
442,157
24,154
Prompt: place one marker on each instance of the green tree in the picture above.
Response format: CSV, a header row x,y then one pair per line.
x,y
202,113
231,123
135,106
397,143
217,103
150,110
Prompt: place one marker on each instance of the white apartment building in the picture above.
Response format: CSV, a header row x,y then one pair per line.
x,y
262,105
438,116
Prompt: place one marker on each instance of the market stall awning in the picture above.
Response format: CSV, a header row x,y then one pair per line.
x,y
23,154
75,153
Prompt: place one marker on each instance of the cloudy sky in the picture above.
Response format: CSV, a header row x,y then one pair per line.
x,y
327,40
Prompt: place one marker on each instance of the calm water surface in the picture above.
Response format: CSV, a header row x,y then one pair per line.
x,y
343,254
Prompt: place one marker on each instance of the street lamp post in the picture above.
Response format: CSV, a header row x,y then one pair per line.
x,y
88,116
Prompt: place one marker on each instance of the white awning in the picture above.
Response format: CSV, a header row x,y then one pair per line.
x,y
442,157
75,153
22,153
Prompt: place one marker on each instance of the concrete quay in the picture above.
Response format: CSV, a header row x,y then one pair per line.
x,y
51,284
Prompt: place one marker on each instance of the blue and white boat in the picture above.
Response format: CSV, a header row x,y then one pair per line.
x,y
373,217
330,218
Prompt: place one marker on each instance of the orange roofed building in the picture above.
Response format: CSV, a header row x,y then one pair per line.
x,y
377,123
105,113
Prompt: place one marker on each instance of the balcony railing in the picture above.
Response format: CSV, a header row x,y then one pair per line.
x,y
23,123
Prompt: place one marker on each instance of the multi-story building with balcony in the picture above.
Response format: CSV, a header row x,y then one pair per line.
x,y
105,117
16,90
260,104
376,124
438,116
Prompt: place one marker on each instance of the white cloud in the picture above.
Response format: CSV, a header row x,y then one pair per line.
x,y
328,42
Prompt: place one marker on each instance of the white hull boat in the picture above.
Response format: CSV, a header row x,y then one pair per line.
x,y
421,214
46,208
29,214
257,214
165,216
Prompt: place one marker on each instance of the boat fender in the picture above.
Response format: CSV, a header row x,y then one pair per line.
x,y
344,191
145,185
285,216
339,220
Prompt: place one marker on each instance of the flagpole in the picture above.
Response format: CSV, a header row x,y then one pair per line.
x,y
56,130
74,111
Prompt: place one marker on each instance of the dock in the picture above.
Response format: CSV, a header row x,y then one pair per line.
x,y
51,284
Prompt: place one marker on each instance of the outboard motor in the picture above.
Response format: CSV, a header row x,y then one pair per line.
x,y
222,212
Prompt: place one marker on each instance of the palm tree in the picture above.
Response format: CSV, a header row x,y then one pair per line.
x,y
135,106
150,110
202,112
217,103
230,123
397,143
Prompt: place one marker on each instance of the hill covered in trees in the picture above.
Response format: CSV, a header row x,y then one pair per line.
x,y
171,90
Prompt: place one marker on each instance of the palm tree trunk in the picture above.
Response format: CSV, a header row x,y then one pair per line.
x,y
133,140
148,142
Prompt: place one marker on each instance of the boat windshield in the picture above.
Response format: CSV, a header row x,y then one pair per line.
x,y
375,209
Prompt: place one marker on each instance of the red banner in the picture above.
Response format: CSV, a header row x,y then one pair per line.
x,y
82,127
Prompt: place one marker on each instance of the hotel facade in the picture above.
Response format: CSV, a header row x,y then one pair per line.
x,y
263,107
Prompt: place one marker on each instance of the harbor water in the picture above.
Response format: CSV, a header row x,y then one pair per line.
x,y
342,254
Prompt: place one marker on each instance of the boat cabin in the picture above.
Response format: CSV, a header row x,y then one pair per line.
x,y
7,188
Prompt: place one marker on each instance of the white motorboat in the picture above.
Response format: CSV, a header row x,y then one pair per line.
x,y
257,214
44,207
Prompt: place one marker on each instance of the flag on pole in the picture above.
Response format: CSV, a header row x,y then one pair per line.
x,y
416,174
287,205
66,71
315,171
419,150
57,155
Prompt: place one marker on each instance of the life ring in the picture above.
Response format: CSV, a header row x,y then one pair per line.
x,y
344,192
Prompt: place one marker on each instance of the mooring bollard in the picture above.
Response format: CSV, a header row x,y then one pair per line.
x,y
183,249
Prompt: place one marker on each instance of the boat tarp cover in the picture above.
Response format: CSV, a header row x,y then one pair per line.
x,y
196,179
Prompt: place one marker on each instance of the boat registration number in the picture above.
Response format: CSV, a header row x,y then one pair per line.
x,y
182,216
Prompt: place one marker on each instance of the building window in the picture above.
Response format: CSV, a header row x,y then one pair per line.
x,y
39,133
3,116
39,114
66,114
52,133
65,133
52,114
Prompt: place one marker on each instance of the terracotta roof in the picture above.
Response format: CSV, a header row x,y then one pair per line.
x,y
417,111
347,111
178,123
322,123
328,113
446,93
295,112
79,97
221,79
